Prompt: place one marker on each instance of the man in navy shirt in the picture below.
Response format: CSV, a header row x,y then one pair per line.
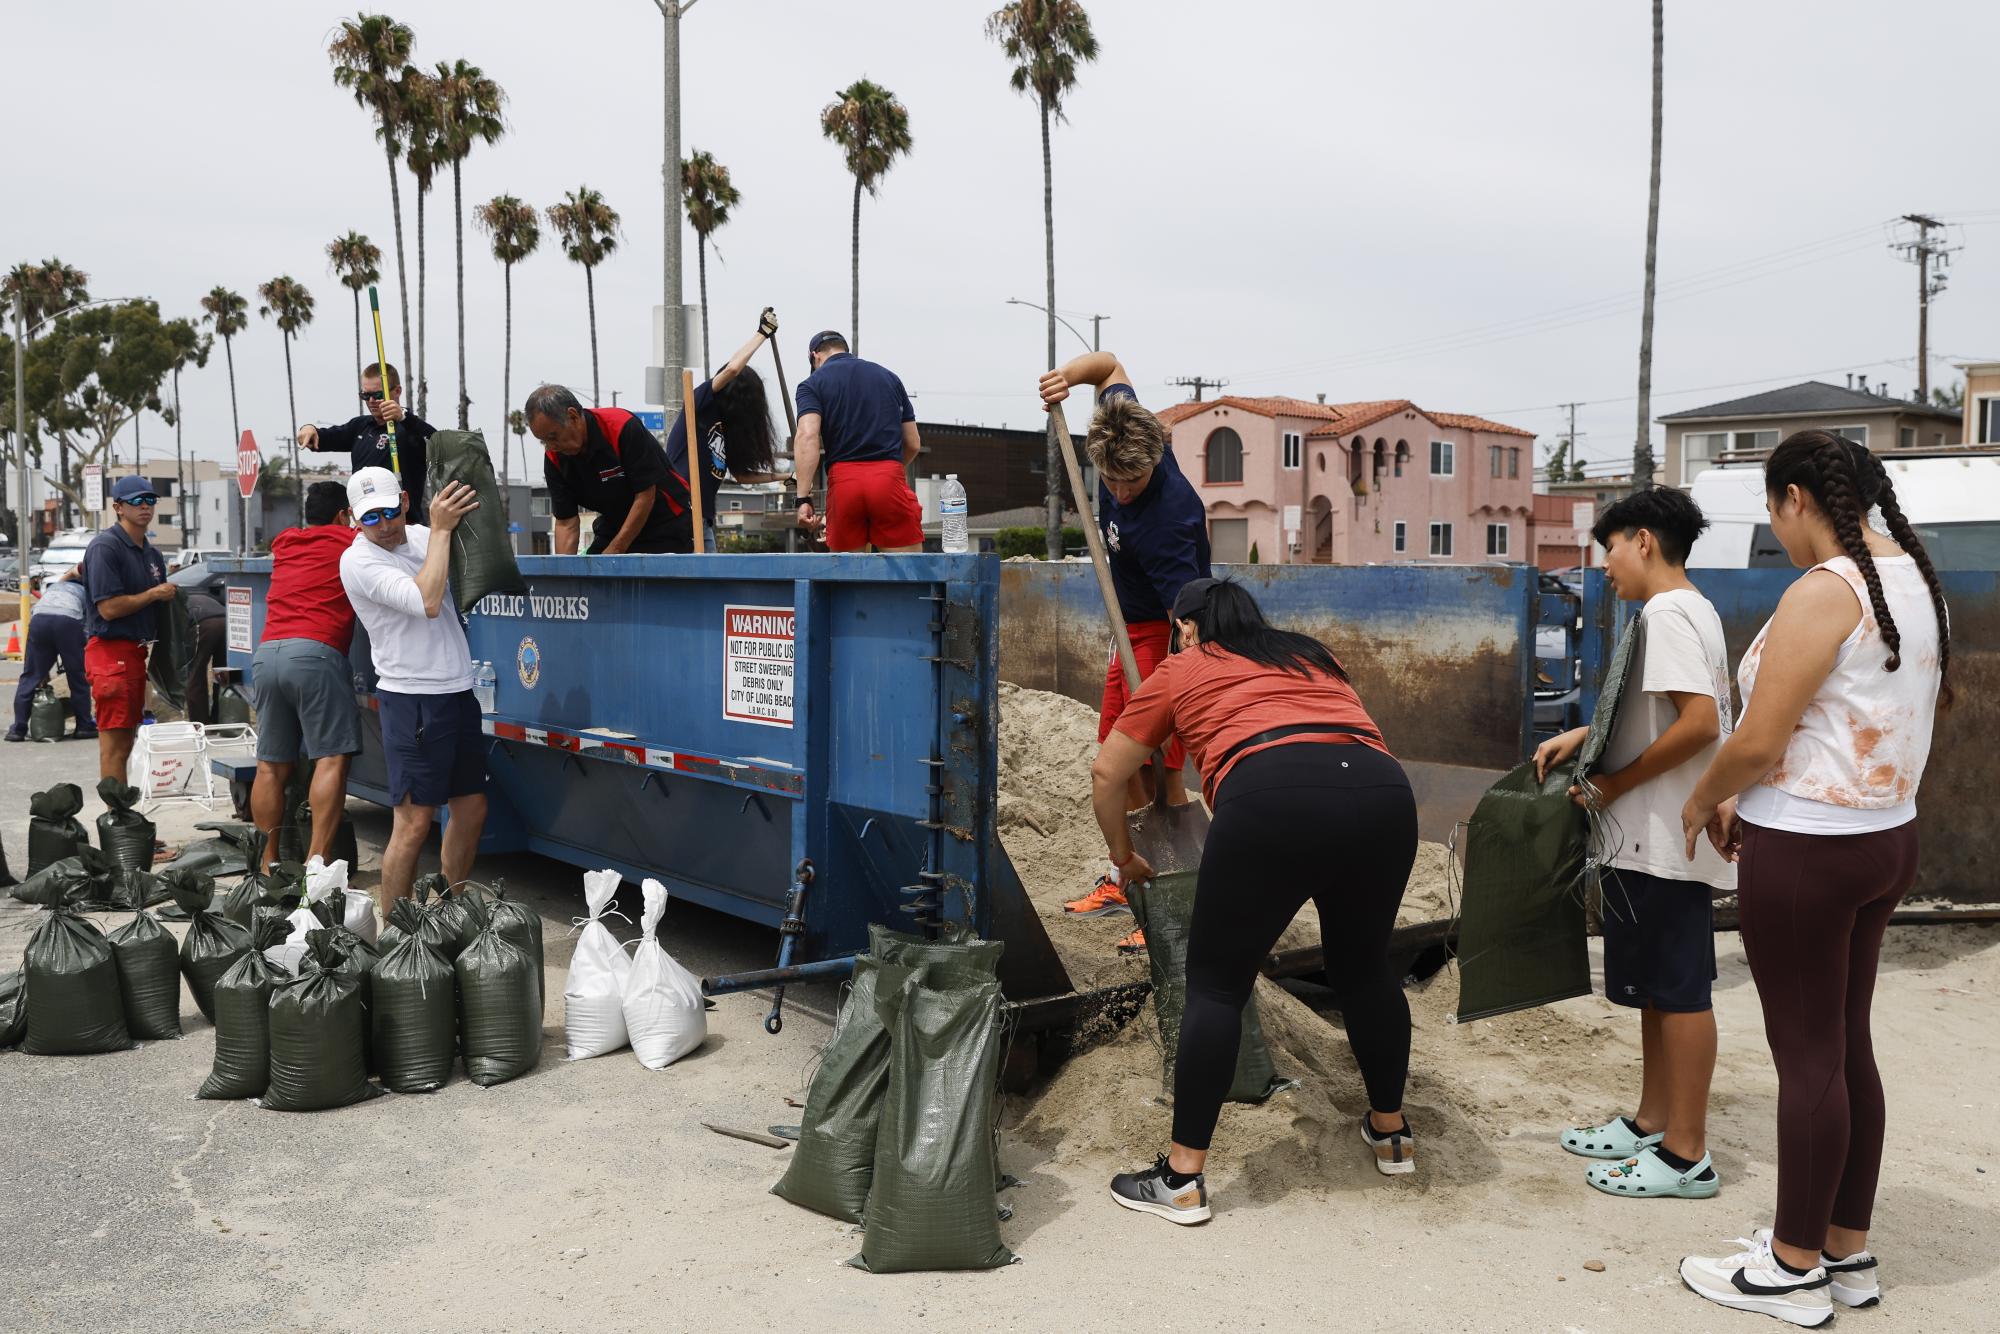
x,y
366,438
859,414
1156,535
125,581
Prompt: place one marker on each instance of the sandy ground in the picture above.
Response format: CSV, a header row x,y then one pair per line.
x,y
587,1195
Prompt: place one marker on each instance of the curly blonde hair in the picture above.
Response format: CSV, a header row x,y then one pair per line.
x,y
1125,438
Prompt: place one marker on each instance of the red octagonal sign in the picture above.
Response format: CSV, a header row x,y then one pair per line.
x,y
248,464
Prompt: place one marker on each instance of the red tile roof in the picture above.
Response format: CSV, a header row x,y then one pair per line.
x,y
1340,418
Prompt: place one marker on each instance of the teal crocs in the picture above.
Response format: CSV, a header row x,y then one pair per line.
x,y
1616,1138
1645,1174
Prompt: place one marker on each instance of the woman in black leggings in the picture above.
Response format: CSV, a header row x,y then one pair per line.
x,y
1308,804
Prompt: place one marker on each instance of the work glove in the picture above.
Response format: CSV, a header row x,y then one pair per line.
x,y
767,323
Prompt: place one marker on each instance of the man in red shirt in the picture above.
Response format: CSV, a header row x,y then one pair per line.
x,y
300,675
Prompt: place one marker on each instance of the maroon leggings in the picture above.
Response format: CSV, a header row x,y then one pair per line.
x,y
1814,907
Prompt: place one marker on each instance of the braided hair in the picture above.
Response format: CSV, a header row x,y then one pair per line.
x,y
1847,481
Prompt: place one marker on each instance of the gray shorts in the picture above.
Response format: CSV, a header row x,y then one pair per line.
x,y
305,701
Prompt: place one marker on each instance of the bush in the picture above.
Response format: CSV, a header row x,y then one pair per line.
x,y
1033,541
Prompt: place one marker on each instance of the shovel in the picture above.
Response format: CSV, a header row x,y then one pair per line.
x,y
1169,837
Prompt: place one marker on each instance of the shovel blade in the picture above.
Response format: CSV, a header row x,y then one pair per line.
x,y
1170,837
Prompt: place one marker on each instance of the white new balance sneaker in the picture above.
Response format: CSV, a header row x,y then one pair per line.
x,y
1753,1280
1148,1193
1855,1282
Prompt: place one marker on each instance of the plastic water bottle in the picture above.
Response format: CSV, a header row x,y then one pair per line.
x,y
485,686
951,508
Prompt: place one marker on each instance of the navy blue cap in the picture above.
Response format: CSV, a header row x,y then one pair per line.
x,y
825,336
131,488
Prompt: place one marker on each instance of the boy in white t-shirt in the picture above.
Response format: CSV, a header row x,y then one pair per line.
x,y
1659,925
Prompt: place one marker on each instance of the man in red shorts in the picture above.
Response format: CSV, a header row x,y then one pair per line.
x,y
125,581
858,414
1156,535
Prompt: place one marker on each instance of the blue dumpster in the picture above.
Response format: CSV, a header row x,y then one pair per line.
x,y
720,722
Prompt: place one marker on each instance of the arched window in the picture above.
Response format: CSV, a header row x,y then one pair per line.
x,y
1381,457
1224,456
1402,455
1355,453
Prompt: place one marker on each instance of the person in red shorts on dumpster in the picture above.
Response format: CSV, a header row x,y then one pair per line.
x,y
858,414
1156,535
125,580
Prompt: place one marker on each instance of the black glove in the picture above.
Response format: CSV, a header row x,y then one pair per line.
x,y
767,323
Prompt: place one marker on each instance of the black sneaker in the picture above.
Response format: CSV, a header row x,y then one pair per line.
x,y
12,735
84,734
1149,1193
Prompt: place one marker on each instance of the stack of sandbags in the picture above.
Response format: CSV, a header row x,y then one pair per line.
x,y
594,991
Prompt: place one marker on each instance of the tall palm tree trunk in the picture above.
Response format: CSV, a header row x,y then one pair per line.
x,y
1642,449
68,513
137,457
1055,463
854,304
357,334
180,466
701,265
507,394
458,219
291,401
590,294
402,265
229,355
423,383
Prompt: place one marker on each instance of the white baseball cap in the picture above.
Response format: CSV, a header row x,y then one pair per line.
x,y
373,489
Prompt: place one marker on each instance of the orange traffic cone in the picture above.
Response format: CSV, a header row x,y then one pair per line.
x,y
14,640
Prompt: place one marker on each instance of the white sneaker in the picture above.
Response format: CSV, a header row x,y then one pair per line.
x,y
1753,1280
1855,1282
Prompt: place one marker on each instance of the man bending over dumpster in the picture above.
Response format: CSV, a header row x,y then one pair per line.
x,y
396,577
1156,538
301,676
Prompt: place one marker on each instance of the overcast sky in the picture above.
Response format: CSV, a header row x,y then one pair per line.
x,y
1438,201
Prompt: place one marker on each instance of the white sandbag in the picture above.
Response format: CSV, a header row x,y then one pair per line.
x,y
291,951
594,994
664,1016
357,906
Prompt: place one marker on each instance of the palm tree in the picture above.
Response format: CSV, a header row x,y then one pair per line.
x,y
589,230
47,289
1046,39
709,196
228,315
1642,450
367,53
422,133
356,261
515,234
468,105
288,302
873,130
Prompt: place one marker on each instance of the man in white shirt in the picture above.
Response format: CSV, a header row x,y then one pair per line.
x,y
396,578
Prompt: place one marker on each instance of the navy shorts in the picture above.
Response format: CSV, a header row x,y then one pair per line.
x,y
1659,942
433,745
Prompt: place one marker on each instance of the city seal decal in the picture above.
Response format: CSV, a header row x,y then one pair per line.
x,y
528,663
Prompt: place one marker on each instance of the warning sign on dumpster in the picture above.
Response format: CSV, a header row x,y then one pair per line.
x,y
757,664
237,626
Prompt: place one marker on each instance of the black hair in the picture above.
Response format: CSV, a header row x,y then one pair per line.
x,y
1671,516
324,502
552,401
748,440
1230,619
1846,481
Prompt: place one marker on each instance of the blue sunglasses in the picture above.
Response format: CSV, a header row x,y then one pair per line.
x,y
374,517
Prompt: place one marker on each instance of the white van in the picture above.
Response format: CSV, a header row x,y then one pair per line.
x,y
1952,500
64,553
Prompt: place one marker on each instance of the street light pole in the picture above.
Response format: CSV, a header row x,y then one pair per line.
x,y
670,182
23,545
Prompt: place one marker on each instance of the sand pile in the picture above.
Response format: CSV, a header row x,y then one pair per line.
x,y
1106,1105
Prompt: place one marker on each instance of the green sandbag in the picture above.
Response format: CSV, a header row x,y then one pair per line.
x,y
956,949
54,832
482,553
149,977
231,704
522,925
500,1009
834,1159
125,835
7,880
930,1205
1164,906
358,959
13,1010
414,1018
1523,923
433,930
463,913
45,715
71,985
167,664
317,1024
79,880
212,942
242,1066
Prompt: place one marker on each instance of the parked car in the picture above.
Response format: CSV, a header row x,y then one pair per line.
x,y
187,556
63,554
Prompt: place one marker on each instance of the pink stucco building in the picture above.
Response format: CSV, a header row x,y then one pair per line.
x,y
1350,483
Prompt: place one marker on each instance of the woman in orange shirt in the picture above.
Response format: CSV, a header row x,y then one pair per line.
x,y
1308,804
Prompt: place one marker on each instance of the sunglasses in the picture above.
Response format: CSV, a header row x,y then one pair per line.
x,y
141,501
373,517
372,396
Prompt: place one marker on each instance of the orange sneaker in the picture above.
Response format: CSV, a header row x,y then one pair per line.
x,y
1135,943
1103,899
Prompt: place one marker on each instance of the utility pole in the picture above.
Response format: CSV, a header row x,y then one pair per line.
x,y
1931,259
24,546
1198,383
670,190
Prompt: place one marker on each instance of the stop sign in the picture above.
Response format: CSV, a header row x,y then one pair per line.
x,y
248,464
